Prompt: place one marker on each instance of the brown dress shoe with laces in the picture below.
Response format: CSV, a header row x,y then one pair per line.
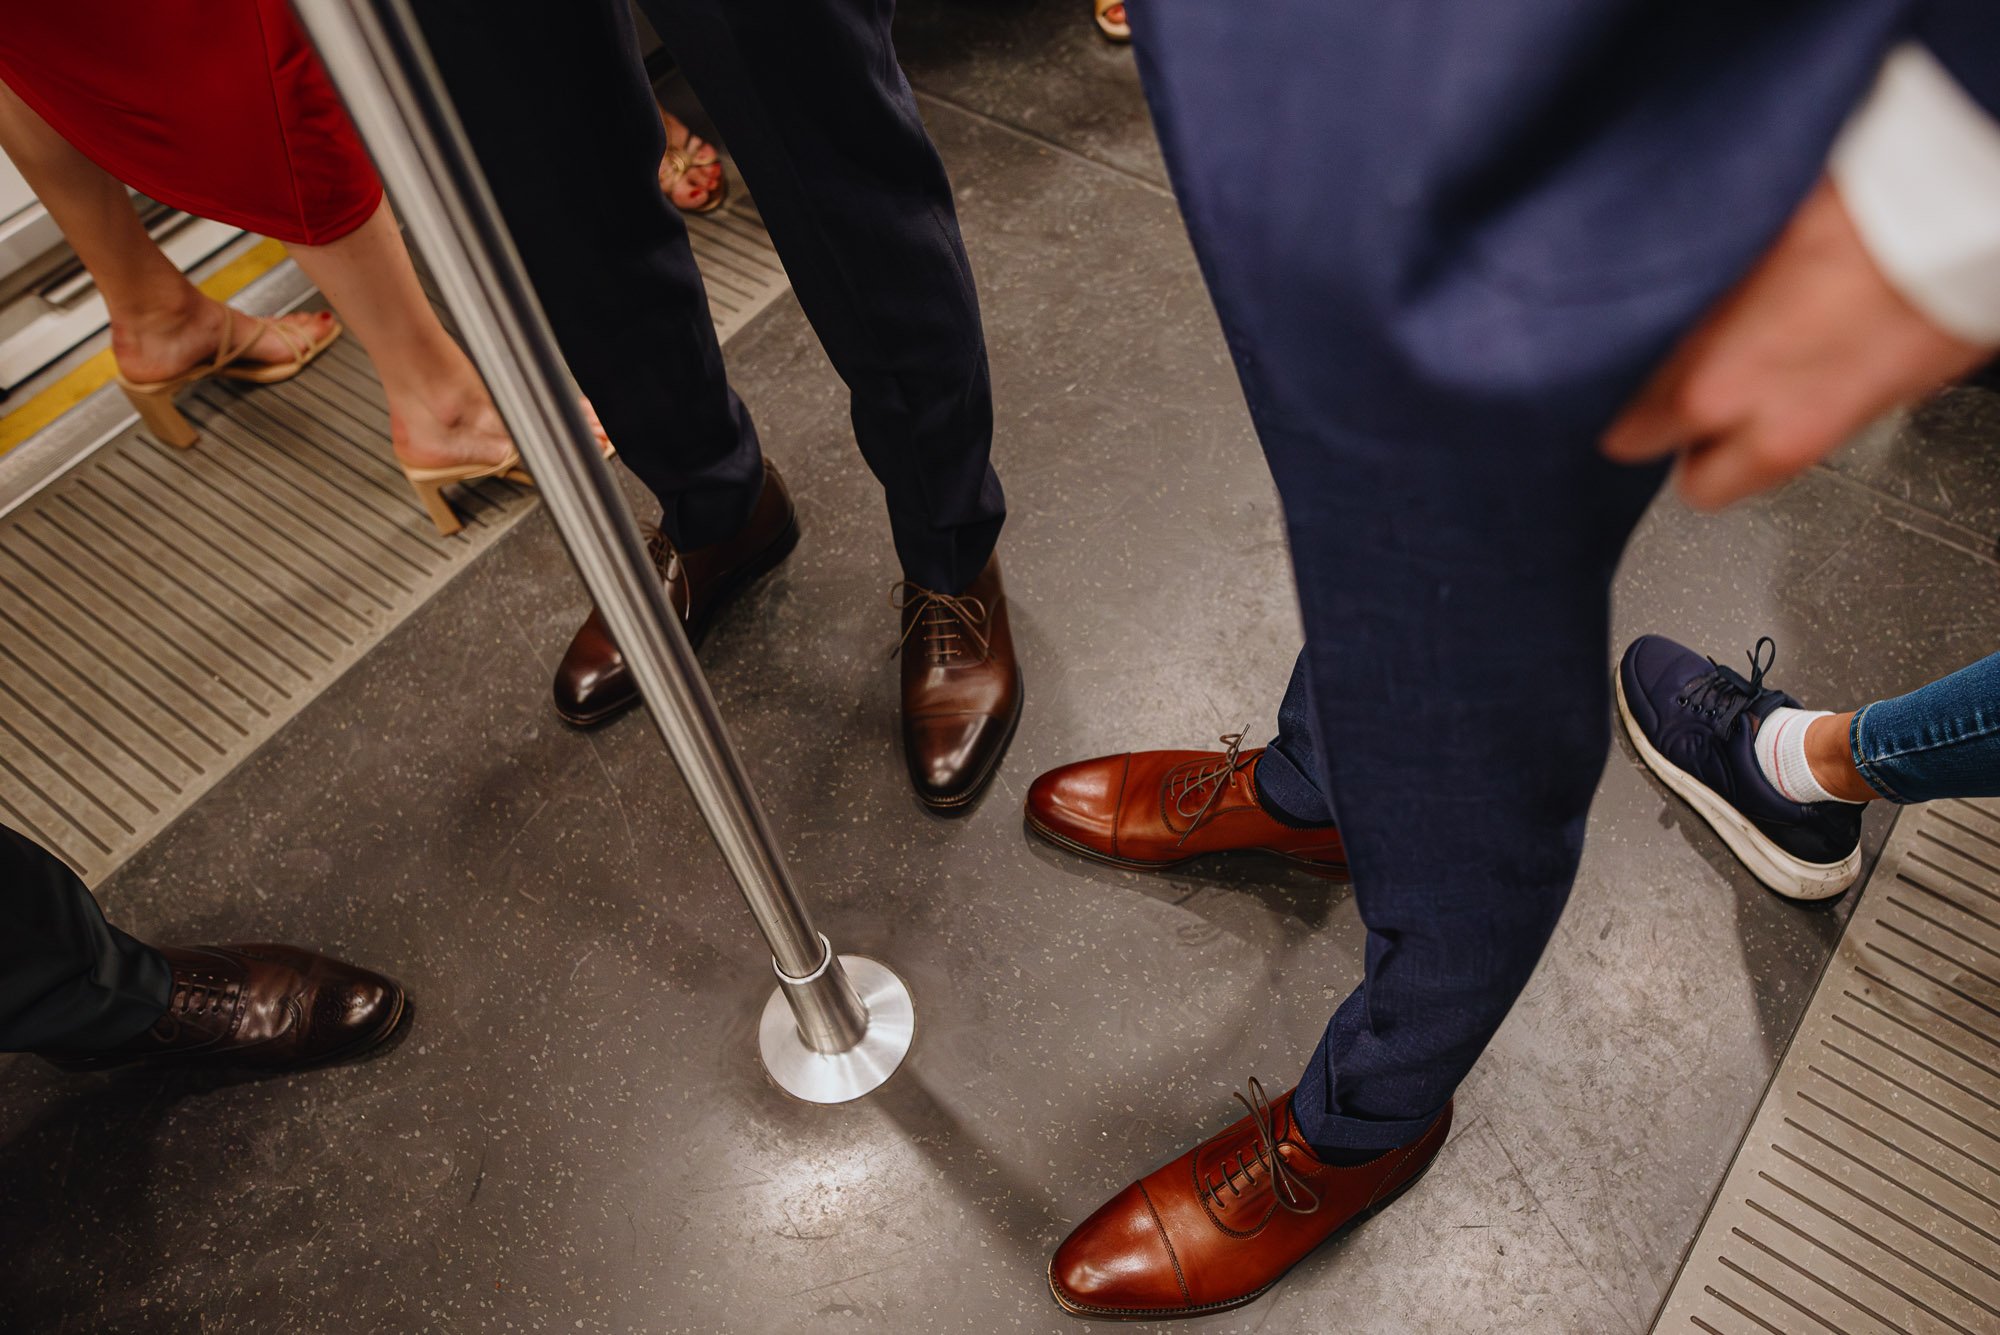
x,y
266,1006
1221,1224
593,682
1152,810
961,688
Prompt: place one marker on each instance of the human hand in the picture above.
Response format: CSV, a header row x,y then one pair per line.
x,y
1812,345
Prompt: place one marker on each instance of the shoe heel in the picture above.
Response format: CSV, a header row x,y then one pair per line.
x,y
157,411
437,507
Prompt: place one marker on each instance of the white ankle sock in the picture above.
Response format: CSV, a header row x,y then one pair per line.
x,y
1781,754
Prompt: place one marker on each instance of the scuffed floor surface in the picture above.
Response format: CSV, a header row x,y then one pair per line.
x,y
575,1134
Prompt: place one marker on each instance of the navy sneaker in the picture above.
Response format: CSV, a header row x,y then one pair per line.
x,y
1694,723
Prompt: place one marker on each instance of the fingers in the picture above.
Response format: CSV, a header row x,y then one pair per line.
x,y
1686,402
1728,450
1651,427
1719,473
1754,457
1812,345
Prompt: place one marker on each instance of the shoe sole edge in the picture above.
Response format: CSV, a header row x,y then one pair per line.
x,y
1774,868
223,1057
1332,871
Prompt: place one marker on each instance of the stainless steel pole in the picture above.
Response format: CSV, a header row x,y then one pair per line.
x,y
837,1026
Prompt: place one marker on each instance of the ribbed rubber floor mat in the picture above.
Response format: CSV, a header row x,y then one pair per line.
x,y
738,266
163,611
1866,1198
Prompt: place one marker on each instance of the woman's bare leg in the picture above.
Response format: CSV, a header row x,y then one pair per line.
x,y
161,324
439,412
440,415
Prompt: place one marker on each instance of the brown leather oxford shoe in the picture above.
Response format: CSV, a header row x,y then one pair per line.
x,y
593,682
260,1005
961,688
1152,810
1221,1224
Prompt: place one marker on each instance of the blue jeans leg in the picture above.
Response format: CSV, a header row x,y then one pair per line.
x,y
1940,740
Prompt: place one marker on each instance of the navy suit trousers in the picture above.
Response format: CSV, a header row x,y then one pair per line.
x,y
816,114
1473,230
69,981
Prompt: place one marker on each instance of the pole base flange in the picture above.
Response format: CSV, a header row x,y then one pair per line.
x,y
838,1077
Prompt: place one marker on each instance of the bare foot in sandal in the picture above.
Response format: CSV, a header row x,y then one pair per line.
x,y
456,425
439,443
691,169
1111,21
164,344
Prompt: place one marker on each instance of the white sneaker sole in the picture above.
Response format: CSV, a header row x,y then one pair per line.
x,y
1792,877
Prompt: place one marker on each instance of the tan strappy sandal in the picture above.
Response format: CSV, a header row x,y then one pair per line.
x,y
430,483
679,160
1114,30
154,399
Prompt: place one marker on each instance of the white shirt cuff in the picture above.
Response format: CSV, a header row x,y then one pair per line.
x,y
1918,166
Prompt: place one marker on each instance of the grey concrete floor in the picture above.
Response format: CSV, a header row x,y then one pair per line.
x,y
575,1133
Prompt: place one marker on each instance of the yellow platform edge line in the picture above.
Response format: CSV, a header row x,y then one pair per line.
x,y
96,371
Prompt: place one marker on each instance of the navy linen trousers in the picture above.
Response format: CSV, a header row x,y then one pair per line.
x,y
1448,240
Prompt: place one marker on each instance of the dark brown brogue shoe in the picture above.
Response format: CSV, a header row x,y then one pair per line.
x,y
1152,810
593,683
961,688
1221,1224
268,1006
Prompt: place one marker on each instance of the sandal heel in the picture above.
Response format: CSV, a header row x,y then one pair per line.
x,y
154,399
156,409
437,507
429,484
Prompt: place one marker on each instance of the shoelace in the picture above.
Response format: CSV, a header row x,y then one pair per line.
x,y
1287,1186
941,615
195,998
190,999
1188,785
1725,693
665,556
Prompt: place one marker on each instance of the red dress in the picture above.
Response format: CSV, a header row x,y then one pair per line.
x,y
216,107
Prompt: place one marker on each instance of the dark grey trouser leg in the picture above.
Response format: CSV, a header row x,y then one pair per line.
x,y
69,981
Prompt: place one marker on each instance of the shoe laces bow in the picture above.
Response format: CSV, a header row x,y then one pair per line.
x,y
1724,693
1211,780
1287,1186
943,616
